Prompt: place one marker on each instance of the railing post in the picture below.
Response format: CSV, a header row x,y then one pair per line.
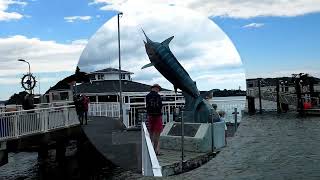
x,y
112,110
15,124
142,149
168,114
66,115
182,140
46,120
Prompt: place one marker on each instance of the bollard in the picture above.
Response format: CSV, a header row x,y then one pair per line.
x,y
235,119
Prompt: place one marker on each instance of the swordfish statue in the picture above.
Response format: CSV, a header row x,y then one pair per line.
x,y
197,109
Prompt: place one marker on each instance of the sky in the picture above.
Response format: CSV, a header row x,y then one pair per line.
x,y
272,37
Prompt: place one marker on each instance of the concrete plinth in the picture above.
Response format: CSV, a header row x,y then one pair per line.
x,y
196,139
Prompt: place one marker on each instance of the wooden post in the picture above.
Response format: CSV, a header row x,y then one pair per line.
x,y
278,96
260,104
235,119
299,98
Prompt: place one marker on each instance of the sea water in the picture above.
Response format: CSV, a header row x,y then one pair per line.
x,y
228,105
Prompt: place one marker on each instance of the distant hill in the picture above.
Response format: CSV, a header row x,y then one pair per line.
x,y
226,93
222,93
2,102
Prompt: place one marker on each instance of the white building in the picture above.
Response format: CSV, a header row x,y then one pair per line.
x,y
104,94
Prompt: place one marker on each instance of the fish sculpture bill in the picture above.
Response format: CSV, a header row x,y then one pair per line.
x,y
197,109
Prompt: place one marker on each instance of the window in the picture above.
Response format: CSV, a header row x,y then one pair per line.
x,y
100,76
64,96
286,89
123,76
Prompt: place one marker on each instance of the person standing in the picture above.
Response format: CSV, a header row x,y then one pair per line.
x,y
85,102
79,108
222,119
154,113
28,103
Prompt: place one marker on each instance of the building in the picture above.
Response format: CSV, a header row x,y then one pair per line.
x,y
110,74
104,94
286,84
104,87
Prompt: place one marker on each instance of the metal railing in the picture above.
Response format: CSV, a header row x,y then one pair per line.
x,y
229,106
135,112
18,107
150,163
267,94
108,109
16,124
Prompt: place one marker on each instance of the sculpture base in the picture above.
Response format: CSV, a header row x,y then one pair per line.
x,y
197,136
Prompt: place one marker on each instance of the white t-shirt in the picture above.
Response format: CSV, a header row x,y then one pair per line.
x,y
225,125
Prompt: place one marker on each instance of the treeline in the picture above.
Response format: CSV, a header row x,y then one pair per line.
x,y
225,93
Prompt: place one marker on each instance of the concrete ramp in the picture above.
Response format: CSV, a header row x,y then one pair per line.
x,y
109,137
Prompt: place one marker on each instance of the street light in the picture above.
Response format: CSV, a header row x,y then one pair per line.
x,y
119,55
29,77
22,60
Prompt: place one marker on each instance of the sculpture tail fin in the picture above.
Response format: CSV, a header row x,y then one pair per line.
x,y
191,103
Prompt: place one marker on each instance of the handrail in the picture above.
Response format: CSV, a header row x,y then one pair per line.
x,y
150,163
56,102
39,109
16,124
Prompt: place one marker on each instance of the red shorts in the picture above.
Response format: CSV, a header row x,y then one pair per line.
x,y
155,124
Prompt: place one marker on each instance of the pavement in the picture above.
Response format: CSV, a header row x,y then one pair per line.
x,y
267,146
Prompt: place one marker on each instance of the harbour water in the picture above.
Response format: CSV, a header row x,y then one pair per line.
x,y
25,165
227,104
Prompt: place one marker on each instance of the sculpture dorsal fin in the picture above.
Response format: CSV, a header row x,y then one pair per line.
x,y
167,41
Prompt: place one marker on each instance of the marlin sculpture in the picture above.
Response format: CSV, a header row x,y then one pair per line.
x,y
197,109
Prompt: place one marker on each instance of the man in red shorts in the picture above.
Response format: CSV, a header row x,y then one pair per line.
x,y
154,112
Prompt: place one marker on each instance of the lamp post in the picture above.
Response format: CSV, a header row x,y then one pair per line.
x,y
119,55
22,60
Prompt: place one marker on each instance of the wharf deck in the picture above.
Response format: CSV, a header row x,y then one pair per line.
x,y
108,136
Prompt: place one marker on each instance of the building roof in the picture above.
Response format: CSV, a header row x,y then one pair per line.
x,y
113,86
111,70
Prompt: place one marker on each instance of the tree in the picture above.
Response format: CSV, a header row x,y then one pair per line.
x,y
17,98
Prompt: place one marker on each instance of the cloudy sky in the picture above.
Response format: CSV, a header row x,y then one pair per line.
x,y
202,48
273,37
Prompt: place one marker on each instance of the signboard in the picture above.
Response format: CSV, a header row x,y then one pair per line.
x,y
190,130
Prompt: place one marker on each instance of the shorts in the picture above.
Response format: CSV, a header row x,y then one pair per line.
x,y
155,124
